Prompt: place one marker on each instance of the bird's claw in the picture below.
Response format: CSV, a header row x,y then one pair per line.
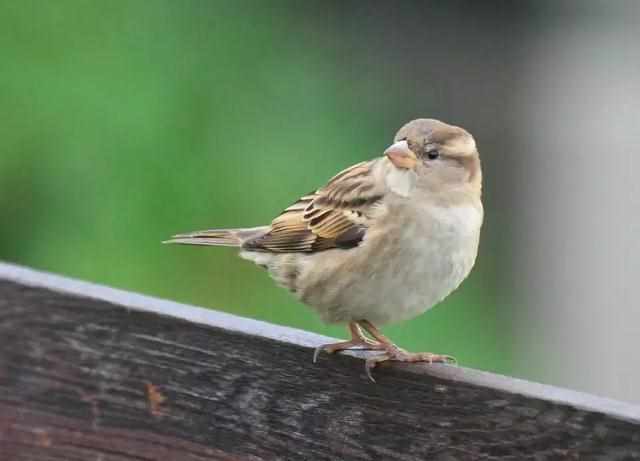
x,y
399,355
354,344
391,352
316,353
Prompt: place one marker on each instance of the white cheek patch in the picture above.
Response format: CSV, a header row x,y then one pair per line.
x,y
401,181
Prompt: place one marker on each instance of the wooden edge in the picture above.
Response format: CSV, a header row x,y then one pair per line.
x,y
30,277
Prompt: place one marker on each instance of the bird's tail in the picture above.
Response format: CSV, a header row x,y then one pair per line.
x,y
218,237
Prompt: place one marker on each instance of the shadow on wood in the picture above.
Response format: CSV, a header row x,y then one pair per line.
x,y
120,376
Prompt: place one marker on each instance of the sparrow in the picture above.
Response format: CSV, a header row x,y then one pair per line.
x,y
383,241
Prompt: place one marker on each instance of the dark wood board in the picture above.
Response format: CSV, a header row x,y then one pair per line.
x,y
127,377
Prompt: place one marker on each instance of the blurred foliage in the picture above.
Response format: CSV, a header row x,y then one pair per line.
x,y
128,121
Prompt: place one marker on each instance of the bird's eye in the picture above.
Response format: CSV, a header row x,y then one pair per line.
x,y
433,154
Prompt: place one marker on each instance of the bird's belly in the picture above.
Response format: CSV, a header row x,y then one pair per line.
x,y
397,279
405,287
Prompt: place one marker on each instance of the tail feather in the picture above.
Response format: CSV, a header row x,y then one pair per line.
x,y
218,237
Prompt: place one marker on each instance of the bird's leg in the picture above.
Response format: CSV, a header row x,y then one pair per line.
x,y
358,339
395,353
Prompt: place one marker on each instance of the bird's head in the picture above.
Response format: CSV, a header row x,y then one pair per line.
x,y
441,155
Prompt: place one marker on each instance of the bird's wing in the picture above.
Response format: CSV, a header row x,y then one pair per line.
x,y
335,216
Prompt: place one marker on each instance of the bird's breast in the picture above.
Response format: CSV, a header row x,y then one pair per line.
x,y
406,264
435,255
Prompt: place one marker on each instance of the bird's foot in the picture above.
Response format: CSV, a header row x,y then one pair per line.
x,y
362,344
358,340
395,354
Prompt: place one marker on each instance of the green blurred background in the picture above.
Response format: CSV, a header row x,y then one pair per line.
x,y
125,122
128,121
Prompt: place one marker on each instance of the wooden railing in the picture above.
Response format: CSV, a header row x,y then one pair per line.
x,y
92,373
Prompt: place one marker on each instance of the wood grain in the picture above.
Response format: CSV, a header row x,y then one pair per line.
x,y
86,379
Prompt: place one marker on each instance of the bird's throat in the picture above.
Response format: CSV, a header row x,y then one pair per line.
x,y
401,181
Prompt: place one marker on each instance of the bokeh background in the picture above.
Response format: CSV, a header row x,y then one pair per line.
x,y
124,122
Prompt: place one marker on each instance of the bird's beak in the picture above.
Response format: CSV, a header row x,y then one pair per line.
x,y
401,156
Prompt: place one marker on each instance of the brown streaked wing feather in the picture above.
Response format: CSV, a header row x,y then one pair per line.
x,y
332,217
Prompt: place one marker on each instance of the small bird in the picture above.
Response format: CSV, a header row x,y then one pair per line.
x,y
383,241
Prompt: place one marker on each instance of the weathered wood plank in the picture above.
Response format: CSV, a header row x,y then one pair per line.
x,y
127,377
